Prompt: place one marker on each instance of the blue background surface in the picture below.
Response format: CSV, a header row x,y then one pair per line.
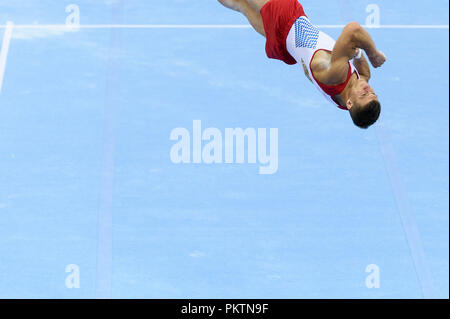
x,y
215,231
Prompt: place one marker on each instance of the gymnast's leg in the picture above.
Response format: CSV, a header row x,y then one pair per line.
x,y
252,14
257,4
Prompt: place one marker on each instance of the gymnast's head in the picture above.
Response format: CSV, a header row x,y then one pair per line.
x,y
363,104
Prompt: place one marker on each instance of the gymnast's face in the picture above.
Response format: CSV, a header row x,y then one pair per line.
x,y
361,94
363,104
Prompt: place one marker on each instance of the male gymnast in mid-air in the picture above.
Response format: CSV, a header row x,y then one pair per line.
x,y
337,68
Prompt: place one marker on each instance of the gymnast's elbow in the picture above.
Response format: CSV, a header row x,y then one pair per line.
x,y
353,29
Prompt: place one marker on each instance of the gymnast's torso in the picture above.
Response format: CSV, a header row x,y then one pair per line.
x,y
312,48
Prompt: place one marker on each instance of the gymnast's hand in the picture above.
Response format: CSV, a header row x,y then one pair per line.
x,y
377,59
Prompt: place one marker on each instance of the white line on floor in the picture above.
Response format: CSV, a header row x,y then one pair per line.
x,y
205,26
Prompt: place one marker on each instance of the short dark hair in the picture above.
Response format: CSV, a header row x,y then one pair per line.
x,y
366,115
